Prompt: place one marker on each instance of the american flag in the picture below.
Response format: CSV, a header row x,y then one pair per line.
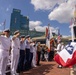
x,y
47,33
48,36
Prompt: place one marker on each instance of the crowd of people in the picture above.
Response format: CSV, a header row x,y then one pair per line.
x,y
24,52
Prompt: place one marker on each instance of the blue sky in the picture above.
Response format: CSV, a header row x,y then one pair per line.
x,y
57,13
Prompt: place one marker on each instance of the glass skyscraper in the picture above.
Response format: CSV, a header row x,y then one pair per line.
x,y
19,22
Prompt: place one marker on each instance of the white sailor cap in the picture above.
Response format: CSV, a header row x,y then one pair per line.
x,y
27,36
16,32
22,36
6,30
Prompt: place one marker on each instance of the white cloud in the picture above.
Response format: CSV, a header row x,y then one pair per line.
x,y
45,4
64,12
38,27
43,29
66,36
33,24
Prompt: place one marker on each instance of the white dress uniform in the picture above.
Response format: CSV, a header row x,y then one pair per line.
x,y
59,48
32,47
34,56
62,47
5,44
15,52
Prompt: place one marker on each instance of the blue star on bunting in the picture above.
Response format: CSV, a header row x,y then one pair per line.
x,y
69,48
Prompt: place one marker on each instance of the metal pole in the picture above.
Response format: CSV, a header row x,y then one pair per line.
x,y
72,33
4,24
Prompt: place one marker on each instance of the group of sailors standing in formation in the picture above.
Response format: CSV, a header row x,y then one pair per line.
x,y
24,52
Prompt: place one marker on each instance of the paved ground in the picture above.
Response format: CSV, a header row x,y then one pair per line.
x,y
73,71
48,68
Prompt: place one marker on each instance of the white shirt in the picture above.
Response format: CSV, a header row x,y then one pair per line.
x,y
31,47
5,43
59,47
16,45
62,47
27,44
34,49
22,45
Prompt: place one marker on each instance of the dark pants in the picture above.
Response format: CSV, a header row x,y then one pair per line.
x,y
21,61
31,57
51,55
42,53
38,56
27,63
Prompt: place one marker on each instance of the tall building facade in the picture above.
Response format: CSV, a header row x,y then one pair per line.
x,y
19,22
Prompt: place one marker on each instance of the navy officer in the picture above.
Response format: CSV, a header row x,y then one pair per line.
x,y
15,52
5,44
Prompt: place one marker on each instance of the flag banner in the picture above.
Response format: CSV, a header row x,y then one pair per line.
x,y
48,44
67,56
48,37
51,35
58,37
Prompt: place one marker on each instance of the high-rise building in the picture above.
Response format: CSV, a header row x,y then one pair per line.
x,y
19,22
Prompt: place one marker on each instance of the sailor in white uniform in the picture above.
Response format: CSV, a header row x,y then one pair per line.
x,y
58,50
5,44
34,54
15,52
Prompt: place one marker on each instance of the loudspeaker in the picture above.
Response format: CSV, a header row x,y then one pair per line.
x,y
74,31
